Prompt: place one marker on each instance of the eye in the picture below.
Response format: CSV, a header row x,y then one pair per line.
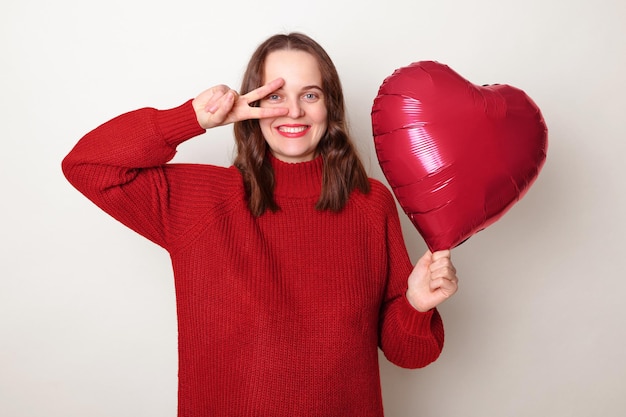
x,y
273,98
311,97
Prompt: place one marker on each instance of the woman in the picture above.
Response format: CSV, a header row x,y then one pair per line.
x,y
290,266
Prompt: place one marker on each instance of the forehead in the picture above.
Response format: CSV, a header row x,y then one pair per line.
x,y
297,68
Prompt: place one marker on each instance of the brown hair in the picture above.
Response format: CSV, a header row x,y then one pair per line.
x,y
342,168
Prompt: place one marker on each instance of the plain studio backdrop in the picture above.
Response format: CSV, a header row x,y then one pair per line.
x,y
87,313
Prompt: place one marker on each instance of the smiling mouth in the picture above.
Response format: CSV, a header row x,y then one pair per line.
x,y
292,129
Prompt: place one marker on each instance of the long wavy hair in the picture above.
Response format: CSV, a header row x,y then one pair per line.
x,y
342,169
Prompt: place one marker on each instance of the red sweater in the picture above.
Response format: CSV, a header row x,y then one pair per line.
x,y
279,315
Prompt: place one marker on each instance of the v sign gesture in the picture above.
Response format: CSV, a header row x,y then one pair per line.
x,y
220,105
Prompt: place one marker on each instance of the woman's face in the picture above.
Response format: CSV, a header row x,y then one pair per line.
x,y
294,137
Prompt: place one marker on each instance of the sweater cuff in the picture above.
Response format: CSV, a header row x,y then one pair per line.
x,y
414,321
178,124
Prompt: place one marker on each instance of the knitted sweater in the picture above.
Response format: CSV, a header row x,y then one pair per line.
x,y
278,315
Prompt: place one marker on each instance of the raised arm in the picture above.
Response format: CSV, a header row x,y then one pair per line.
x,y
122,165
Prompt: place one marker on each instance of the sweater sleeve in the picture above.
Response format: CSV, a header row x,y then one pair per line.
x,y
408,338
120,166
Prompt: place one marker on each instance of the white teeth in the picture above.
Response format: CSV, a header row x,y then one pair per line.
x,y
288,129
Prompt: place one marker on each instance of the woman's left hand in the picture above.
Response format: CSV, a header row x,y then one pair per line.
x,y
432,281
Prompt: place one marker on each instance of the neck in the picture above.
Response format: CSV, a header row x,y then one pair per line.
x,y
302,179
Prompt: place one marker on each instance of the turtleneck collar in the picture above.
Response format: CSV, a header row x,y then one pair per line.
x,y
302,179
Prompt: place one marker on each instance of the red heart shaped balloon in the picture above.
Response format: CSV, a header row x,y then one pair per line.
x,y
457,155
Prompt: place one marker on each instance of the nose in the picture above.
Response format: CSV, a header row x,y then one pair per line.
x,y
295,109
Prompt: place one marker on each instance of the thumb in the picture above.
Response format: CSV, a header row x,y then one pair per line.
x,y
425,260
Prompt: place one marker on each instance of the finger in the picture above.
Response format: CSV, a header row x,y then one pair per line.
x,y
267,112
213,95
214,102
446,286
441,263
425,260
443,282
229,99
442,260
442,254
438,280
264,90
427,256
442,268
222,107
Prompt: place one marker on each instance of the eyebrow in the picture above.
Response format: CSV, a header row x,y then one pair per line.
x,y
306,87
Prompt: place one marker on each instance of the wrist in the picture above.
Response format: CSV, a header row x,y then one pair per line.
x,y
414,302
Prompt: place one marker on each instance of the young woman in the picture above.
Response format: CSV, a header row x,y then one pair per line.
x,y
290,266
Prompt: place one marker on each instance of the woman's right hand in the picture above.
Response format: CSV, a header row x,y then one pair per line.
x,y
221,105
